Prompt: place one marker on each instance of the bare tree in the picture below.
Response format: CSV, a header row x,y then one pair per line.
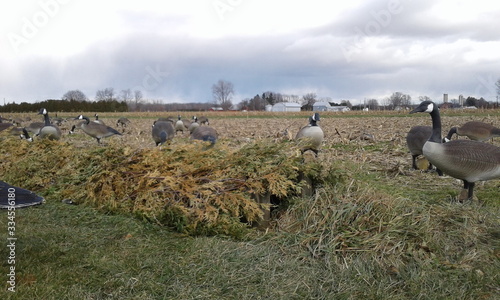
x,y
108,94
223,92
75,95
399,99
372,104
346,103
308,101
424,98
126,95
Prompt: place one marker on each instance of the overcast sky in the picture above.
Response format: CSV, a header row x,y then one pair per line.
x,y
175,51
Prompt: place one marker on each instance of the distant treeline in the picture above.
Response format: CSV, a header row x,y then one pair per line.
x,y
66,106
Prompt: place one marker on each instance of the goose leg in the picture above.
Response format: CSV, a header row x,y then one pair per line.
x,y
467,191
471,190
440,173
414,161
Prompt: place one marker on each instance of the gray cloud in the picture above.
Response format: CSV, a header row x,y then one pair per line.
x,y
368,52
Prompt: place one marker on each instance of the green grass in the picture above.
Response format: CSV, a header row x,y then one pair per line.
x,y
74,252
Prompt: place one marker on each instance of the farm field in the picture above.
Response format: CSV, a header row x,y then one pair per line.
x,y
373,229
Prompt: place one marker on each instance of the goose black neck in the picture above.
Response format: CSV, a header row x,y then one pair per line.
x,y
452,131
47,120
87,120
436,126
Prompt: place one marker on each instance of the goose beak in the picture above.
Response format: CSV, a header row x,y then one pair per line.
x,y
418,109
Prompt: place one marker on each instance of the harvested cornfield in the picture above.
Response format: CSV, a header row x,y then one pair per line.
x,y
212,191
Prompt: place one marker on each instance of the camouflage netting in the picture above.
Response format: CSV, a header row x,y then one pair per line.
x,y
195,191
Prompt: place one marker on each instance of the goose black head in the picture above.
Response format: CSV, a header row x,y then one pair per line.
x,y
313,119
425,106
25,135
42,111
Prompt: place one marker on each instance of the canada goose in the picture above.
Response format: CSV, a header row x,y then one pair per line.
x,y
179,125
97,119
415,140
475,130
186,122
193,125
58,121
4,126
166,119
48,131
311,136
205,133
162,132
25,135
76,126
95,130
17,121
123,122
35,127
203,120
467,160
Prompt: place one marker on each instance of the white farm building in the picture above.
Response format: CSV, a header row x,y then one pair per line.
x,y
325,106
286,107
321,106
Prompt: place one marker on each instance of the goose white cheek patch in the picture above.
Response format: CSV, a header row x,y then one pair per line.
x,y
430,108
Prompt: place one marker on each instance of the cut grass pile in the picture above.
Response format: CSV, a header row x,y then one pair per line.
x,y
193,190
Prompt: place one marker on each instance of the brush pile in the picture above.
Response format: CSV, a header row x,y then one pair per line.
x,y
194,191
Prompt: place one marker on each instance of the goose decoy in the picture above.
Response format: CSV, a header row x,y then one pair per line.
x,y
179,125
415,140
4,126
165,119
162,132
123,122
76,126
58,121
474,130
203,120
469,161
186,122
193,125
35,127
48,131
26,136
206,134
311,136
95,130
17,121
96,116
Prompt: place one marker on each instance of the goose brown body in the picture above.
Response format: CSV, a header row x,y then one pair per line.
x,y
415,140
475,130
205,133
95,130
162,132
463,159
